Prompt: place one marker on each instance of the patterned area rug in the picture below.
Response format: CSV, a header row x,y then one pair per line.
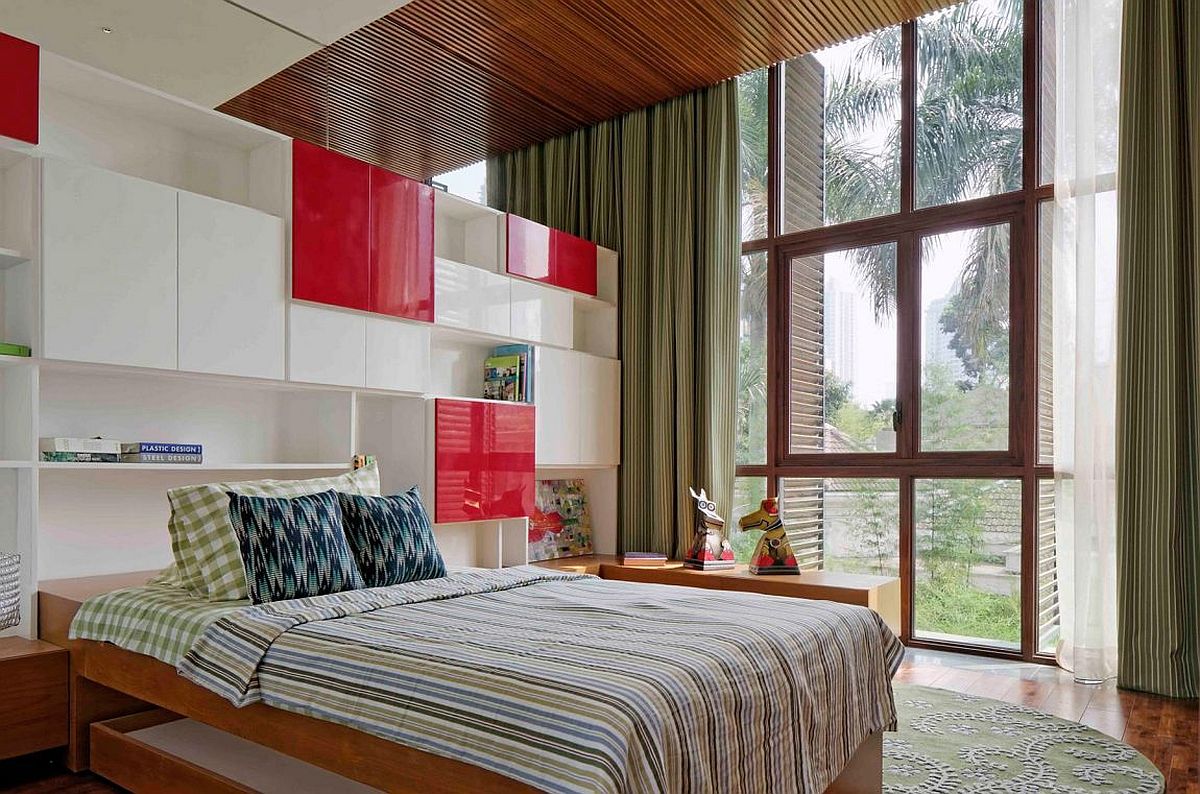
x,y
949,742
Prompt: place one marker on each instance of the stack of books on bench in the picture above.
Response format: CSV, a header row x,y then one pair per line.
x,y
643,559
108,450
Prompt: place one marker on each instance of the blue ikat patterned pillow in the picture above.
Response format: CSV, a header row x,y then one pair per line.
x,y
392,538
293,548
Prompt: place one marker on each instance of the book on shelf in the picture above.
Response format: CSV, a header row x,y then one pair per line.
x,y
161,448
162,457
12,349
80,457
508,374
643,559
502,378
107,446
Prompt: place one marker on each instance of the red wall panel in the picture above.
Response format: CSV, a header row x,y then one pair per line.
x,y
330,225
401,246
18,88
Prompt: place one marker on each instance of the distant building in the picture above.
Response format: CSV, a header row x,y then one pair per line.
x,y
936,342
839,333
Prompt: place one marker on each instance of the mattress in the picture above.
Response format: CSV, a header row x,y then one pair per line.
x,y
572,683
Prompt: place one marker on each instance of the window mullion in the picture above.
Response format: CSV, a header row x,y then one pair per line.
x,y
908,117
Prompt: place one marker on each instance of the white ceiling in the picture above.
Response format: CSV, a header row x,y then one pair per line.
x,y
203,50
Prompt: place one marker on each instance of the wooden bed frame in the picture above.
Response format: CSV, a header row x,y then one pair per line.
x,y
109,682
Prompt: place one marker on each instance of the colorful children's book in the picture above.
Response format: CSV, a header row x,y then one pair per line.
x,y
10,349
502,377
526,353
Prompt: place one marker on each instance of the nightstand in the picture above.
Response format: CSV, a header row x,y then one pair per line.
x,y
33,696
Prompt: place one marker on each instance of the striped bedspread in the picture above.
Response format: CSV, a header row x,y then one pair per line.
x,y
574,683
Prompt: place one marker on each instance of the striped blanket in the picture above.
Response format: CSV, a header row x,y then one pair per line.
x,y
573,683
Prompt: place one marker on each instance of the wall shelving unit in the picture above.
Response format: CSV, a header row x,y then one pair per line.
x,y
211,349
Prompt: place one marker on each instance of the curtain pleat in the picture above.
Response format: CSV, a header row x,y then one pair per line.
x,y
1158,399
659,186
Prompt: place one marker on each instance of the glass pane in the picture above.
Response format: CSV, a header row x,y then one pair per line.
x,y
969,101
842,351
470,181
1045,392
1047,570
752,120
968,561
1047,79
843,524
748,493
751,440
965,339
841,133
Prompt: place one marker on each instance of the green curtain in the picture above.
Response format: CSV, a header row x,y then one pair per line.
x,y
1158,381
660,186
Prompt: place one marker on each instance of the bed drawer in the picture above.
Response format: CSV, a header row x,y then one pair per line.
x,y
120,755
160,752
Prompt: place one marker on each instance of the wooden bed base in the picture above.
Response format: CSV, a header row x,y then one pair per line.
x,y
109,682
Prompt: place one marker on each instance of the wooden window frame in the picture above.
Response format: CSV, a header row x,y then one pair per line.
x,y
1020,209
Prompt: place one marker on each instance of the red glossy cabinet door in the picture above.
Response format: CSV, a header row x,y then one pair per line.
x,y
483,460
401,270
528,250
460,461
511,460
573,262
330,224
18,88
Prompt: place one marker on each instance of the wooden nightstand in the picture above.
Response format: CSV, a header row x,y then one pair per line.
x,y
33,696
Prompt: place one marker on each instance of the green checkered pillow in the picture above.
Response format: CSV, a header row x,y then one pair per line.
x,y
207,553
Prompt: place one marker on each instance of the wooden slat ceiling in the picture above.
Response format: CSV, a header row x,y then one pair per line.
x,y
439,84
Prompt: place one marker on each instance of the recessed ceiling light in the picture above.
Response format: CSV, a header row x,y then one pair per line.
x,y
106,30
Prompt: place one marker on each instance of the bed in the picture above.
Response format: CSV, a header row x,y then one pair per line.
x,y
502,680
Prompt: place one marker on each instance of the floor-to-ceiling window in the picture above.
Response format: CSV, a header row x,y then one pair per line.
x,y
893,382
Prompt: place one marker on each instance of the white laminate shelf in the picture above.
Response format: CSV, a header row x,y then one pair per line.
x,y
194,466
16,464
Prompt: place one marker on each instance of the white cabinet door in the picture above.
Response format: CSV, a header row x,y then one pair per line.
x,y
231,289
109,288
541,314
397,355
327,346
599,411
471,298
556,395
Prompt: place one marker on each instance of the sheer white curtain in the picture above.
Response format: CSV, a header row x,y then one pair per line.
x,y
1087,58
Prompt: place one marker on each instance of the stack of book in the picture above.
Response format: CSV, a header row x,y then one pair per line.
x,y
108,450
643,559
508,374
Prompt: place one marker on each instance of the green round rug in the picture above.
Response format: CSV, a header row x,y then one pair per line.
x,y
950,742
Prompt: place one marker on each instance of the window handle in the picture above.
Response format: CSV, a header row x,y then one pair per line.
x,y
897,418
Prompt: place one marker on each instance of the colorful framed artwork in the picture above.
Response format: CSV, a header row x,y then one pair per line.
x,y
560,525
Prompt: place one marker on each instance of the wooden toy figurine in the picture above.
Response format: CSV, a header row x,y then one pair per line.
x,y
710,550
773,553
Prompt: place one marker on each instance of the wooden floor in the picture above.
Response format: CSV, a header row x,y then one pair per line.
x,y
1164,730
